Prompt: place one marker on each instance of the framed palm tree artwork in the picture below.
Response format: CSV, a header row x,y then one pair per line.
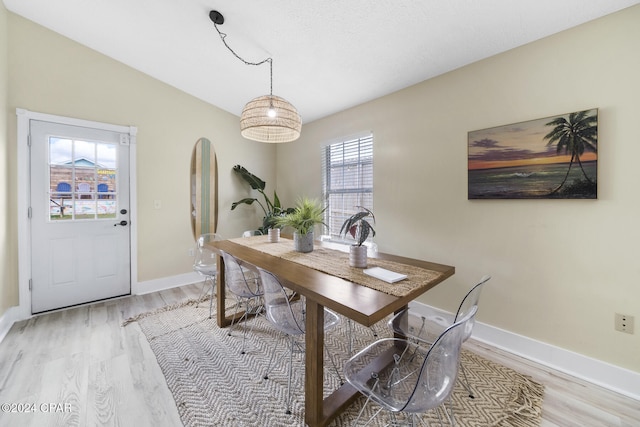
x,y
551,158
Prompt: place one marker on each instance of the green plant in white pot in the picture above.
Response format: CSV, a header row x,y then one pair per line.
x,y
306,214
359,228
271,209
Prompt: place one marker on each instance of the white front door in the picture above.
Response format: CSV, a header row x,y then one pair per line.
x,y
80,236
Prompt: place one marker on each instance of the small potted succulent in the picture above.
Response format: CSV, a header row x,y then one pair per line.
x,y
359,228
306,214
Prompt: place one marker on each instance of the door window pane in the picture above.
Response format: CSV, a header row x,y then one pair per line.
x,y
106,183
84,153
106,208
82,179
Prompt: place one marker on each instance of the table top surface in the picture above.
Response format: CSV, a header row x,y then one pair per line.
x,y
360,303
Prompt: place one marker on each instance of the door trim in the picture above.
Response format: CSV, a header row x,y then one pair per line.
x,y
23,197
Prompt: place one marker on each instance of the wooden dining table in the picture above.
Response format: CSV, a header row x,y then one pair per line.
x,y
363,304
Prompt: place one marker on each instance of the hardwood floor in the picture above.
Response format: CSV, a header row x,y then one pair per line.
x,y
79,367
569,401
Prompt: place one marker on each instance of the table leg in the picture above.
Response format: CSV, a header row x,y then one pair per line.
x,y
220,294
318,411
405,324
314,359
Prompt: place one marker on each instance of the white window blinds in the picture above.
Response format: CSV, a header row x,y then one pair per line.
x,y
348,180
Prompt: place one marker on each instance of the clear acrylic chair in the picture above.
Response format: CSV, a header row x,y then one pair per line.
x,y
406,378
287,315
205,264
425,328
249,233
243,283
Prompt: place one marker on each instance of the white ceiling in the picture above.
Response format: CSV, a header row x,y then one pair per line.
x,y
328,55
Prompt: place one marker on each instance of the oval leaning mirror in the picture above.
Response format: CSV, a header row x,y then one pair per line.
x,y
204,185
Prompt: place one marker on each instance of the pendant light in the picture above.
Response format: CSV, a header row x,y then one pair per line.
x,y
267,118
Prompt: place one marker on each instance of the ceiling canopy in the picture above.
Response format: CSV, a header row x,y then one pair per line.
x,y
327,55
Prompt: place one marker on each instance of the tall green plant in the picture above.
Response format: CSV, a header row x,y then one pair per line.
x,y
272,209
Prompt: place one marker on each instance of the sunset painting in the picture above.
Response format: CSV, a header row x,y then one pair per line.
x,y
551,158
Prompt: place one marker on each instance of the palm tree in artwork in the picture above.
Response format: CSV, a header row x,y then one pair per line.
x,y
575,135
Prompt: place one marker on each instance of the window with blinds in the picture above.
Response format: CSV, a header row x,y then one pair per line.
x,y
348,180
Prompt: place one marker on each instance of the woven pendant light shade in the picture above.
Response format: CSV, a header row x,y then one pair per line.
x,y
255,123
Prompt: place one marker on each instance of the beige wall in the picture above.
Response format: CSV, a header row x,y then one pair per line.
x,y
7,270
52,74
561,268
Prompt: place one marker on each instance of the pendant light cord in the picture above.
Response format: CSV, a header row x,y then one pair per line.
x,y
223,36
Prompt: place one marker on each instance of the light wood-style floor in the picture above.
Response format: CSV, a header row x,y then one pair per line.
x,y
108,376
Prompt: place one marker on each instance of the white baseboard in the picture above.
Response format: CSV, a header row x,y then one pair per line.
x,y
7,320
163,283
611,377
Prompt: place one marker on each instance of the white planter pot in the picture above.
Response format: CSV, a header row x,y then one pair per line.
x,y
358,256
303,242
274,235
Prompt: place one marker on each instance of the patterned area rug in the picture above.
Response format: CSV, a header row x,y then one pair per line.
x,y
214,385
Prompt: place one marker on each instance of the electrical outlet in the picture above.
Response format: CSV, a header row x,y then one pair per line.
x,y
624,323
192,252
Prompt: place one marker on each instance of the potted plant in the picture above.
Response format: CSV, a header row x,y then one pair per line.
x,y
359,228
272,210
306,214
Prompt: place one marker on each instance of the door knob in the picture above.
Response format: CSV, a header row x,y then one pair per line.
x,y
123,222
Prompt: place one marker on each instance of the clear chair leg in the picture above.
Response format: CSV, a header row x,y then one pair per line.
x,y
211,280
335,367
238,304
350,332
244,329
269,366
439,417
244,317
213,295
249,310
465,382
449,412
374,376
202,289
291,343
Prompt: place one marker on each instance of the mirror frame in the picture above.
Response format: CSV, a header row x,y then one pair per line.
x,y
204,188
